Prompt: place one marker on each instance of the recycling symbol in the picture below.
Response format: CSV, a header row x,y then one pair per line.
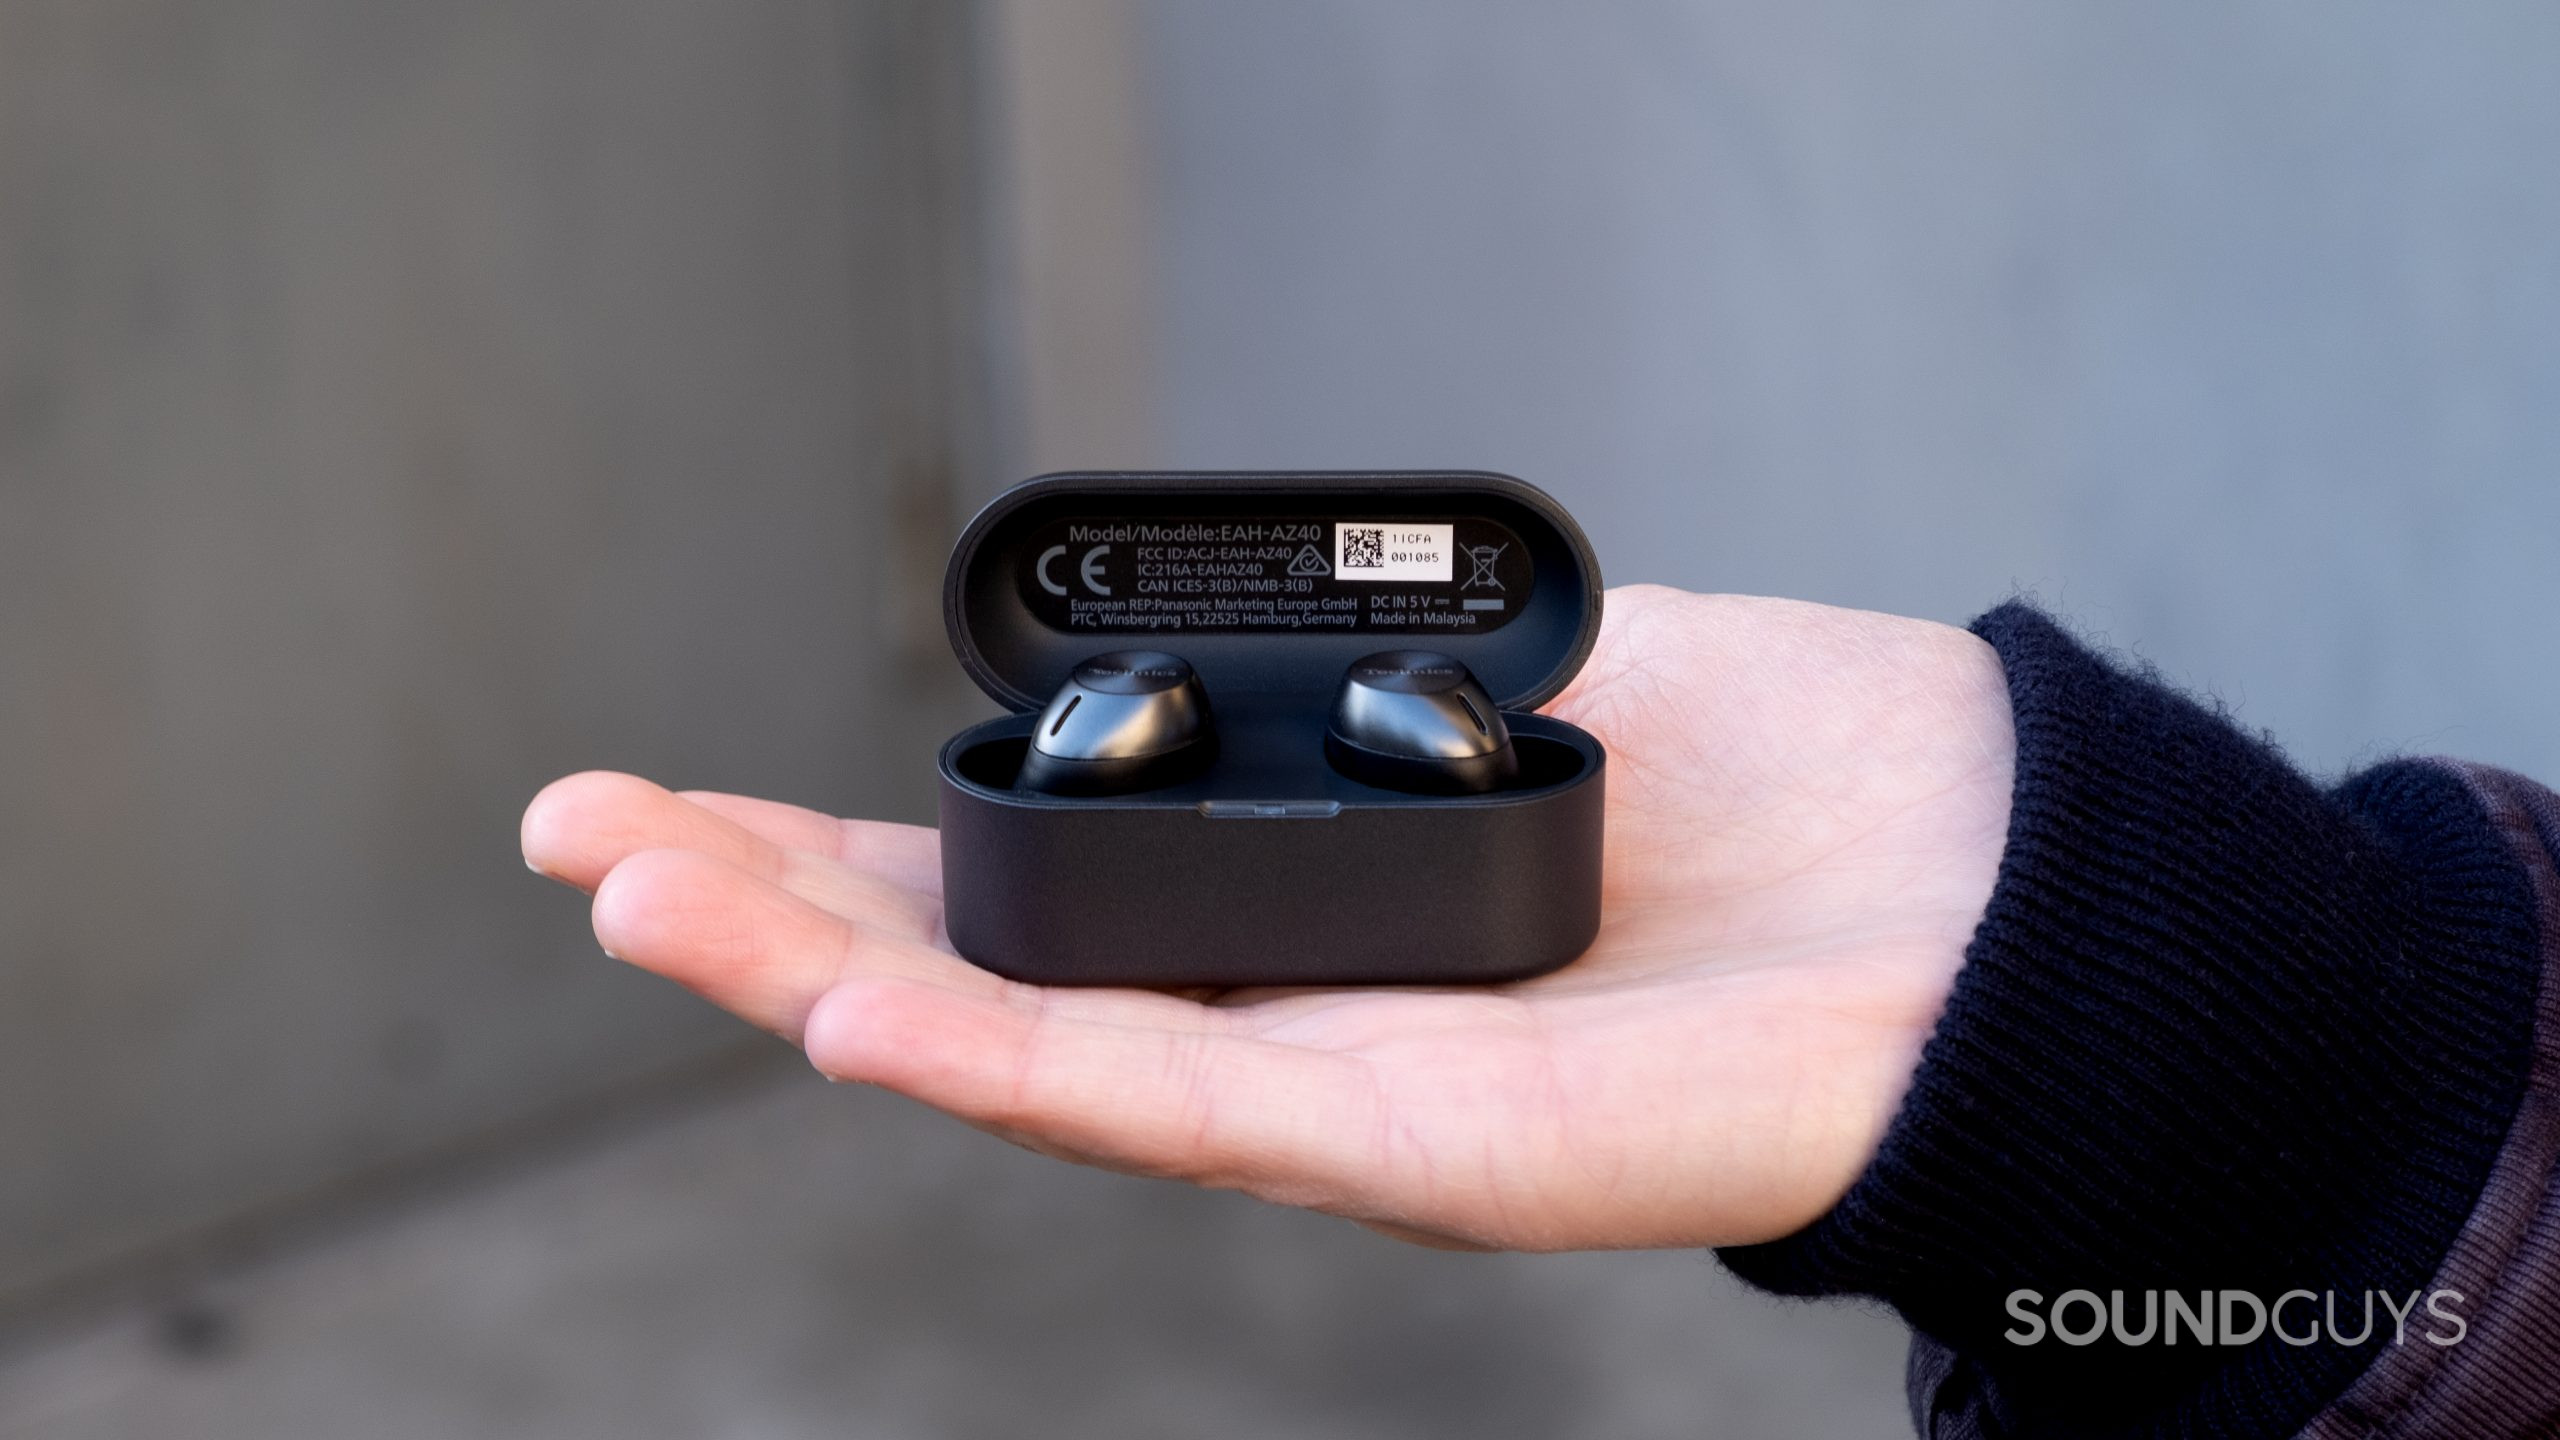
x,y
1310,561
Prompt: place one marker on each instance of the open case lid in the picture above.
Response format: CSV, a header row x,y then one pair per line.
x,y
1273,582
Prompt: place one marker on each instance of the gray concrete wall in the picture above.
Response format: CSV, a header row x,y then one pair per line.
x,y
2228,329
401,405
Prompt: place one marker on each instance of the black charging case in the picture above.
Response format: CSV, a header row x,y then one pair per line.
x,y
1269,867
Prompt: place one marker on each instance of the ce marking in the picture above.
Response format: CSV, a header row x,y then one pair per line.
x,y
1088,569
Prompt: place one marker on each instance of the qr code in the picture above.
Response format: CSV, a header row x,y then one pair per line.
x,y
1363,549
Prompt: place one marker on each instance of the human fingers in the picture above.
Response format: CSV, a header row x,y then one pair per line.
x,y
908,856
751,945
579,828
764,952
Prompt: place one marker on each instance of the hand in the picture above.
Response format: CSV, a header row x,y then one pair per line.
x,y
1806,809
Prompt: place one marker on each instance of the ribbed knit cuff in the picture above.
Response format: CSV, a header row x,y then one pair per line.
x,y
2218,1030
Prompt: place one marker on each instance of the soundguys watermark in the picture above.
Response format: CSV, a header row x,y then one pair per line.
x,y
2231,1317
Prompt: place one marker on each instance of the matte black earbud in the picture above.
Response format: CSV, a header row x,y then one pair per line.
x,y
1130,720
1416,720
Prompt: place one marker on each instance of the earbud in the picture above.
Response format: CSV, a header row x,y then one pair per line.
x,y
1416,720
1130,720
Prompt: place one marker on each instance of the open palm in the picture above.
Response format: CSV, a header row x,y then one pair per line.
x,y
1806,807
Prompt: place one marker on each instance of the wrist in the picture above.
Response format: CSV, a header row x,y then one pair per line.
x,y
2217,1030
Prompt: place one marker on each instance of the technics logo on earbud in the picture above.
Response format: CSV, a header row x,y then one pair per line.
x,y
1407,670
1153,672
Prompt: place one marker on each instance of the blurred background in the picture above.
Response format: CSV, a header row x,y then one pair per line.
x,y
402,405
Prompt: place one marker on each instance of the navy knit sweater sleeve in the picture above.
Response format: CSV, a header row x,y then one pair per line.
x,y
2219,1030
